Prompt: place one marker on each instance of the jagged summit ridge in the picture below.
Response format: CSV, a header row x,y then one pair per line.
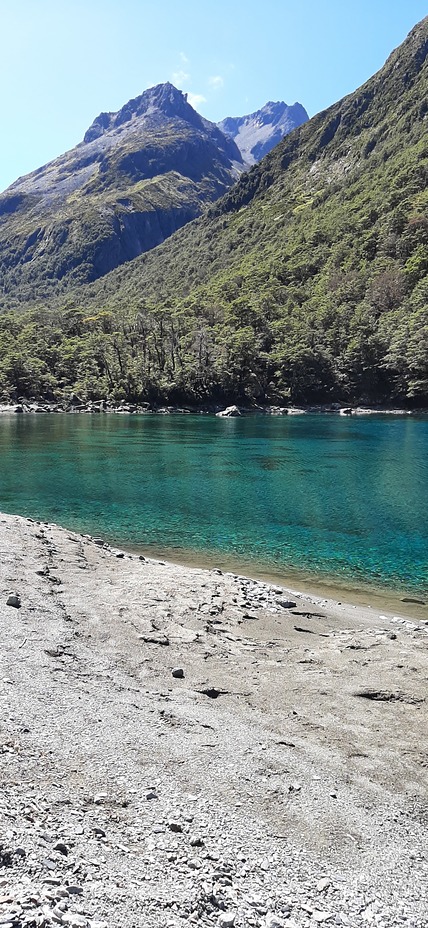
x,y
257,133
137,177
162,100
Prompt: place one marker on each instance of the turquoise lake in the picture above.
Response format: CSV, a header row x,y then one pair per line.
x,y
327,497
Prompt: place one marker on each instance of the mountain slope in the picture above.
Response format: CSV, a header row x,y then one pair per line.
x,y
259,132
138,175
307,280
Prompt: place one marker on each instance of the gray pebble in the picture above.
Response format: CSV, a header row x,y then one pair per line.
x,y
227,919
272,921
62,848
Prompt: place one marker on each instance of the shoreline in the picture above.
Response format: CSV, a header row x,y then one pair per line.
x,y
365,603
179,741
330,590
235,411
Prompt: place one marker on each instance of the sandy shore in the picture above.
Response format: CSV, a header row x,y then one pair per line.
x,y
278,778
330,590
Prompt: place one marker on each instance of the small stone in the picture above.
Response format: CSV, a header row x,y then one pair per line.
x,y
323,884
62,848
20,852
320,917
75,920
272,921
226,919
14,599
152,794
178,673
175,826
155,639
75,890
211,691
99,832
49,863
287,603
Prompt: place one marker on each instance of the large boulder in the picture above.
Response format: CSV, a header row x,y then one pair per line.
x,y
229,412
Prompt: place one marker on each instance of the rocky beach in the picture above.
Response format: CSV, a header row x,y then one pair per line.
x,y
182,745
76,405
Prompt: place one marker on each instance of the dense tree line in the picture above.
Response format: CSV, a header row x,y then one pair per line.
x,y
308,282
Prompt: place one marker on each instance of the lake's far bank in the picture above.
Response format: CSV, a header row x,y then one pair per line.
x,y
216,409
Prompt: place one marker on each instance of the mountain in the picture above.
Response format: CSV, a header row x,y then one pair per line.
x,y
256,134
306,281
138,176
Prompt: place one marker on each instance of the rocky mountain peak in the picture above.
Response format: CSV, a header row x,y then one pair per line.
x,y
257,133
162,100
279,110
139,175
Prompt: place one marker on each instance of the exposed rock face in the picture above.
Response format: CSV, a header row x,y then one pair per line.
x,y
256,134
163,100
152,109
137,177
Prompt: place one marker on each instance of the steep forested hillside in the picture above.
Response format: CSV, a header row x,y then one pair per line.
x,y
307,280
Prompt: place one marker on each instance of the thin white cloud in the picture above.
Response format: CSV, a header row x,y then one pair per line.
x,y
196,99
216,81
184,59
180,78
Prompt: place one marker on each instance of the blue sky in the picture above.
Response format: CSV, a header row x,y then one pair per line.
x,y
64,62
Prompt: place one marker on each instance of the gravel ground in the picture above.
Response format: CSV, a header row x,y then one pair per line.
x,y
180,745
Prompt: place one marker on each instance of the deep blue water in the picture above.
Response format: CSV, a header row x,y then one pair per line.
x,y
336,498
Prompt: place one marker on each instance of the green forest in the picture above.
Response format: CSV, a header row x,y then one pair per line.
x,y
307,282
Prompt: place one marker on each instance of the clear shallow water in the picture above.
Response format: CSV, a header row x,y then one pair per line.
x,y
336,498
